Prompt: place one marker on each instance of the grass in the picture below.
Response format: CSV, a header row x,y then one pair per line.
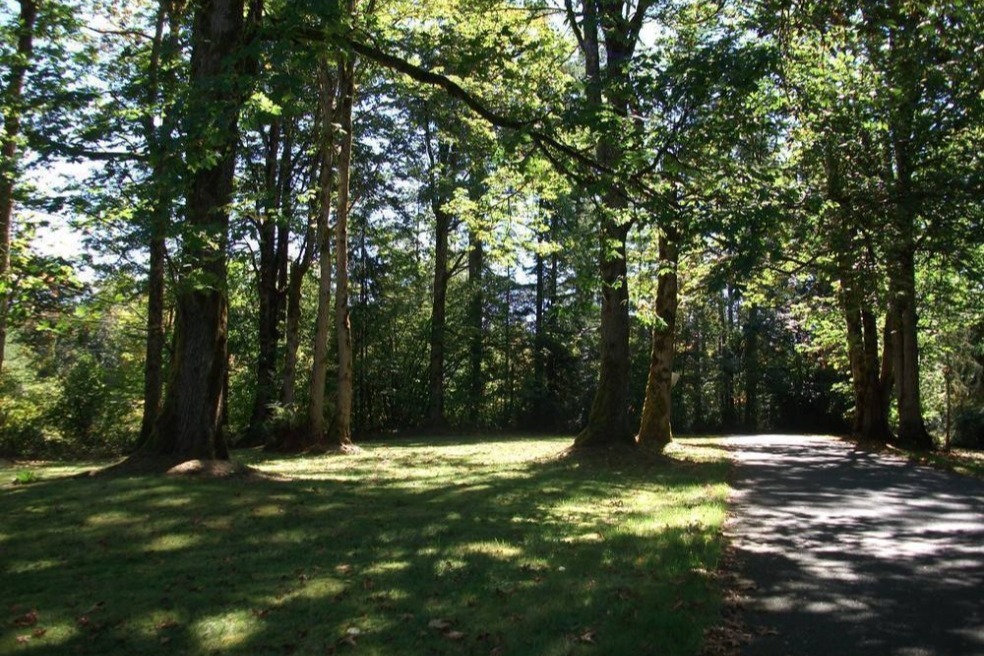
x,y
962,461
411,547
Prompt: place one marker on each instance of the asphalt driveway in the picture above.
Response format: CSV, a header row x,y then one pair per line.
x,y
850,552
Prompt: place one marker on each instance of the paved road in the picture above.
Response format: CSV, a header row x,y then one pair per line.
x,y
856,553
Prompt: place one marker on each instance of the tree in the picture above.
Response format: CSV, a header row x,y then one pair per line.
x,y
346,76
607,33
190,423
11,97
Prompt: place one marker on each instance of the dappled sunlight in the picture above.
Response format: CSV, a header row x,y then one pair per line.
x,y
172,542
846,537
508,547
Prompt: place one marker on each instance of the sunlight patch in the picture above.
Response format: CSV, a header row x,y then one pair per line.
x,y
377,569
498,550
268,510
25,566
172,542
226,630
111,518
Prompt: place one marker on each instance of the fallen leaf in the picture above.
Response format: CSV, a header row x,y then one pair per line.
x,y
29,618
588,637
23,639
454,635
39,632
440,625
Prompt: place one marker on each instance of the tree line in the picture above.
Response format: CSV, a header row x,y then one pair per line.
x,y
304,222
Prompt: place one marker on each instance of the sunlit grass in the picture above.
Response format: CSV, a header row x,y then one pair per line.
x,y
411,547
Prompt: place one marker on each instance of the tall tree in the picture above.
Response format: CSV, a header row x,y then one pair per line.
x,y
160,84
12,98
328,90
342,437
190,423
655,429
607,32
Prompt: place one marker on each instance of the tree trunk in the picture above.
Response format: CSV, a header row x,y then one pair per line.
x,y
608,421
912,429
607,91
268,292
154,360
870,418
162,160
904,75
438,322
343,423
295,281
12,101
752,370
190,423
540,396
874,418
319,371
726,317
476,312
654,430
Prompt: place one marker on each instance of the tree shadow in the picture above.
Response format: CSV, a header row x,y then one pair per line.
x,y
857,552
542,557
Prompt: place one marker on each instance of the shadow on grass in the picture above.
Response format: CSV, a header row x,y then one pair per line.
x,y
413,548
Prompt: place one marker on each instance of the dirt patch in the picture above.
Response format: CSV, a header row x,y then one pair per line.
x,y
151,466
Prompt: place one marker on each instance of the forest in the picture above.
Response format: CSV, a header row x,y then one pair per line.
x,y
298,225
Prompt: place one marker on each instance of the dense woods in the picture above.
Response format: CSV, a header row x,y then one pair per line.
x,y
301,224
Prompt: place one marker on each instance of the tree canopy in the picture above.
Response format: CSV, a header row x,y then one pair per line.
x,y
299,224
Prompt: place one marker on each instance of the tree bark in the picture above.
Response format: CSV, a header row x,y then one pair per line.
x,y
655,430
190,423
12,101
343,424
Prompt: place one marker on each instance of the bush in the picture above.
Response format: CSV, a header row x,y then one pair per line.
x,y
25,404
969,428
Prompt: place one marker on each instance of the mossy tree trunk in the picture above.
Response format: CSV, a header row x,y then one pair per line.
x,y
655,430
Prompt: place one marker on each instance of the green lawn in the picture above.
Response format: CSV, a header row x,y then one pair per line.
x,y
412,547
